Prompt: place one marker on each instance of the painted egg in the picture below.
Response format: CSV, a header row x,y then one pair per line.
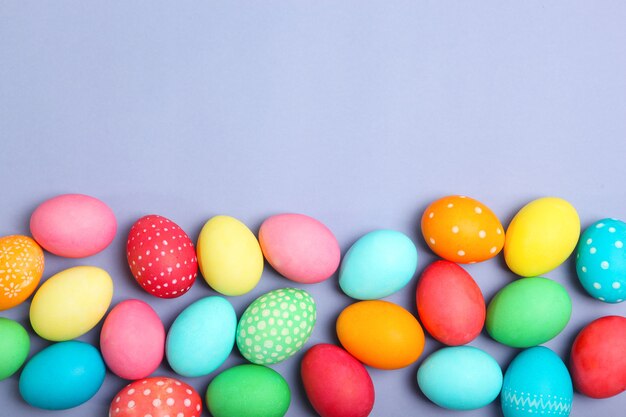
x,y
229,256
461,229
132,340
598,363
201,337
299,247
276,325
62,376
14,347
21,267
156,397
71,303
450,304
380,334
601,260
377,265
336,384
528,312
541,236
536,383
460,378
248,391
161,257
73,225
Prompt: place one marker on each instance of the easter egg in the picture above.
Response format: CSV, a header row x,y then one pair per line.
x,y
248,391
229,256
380,334
71,303
541,236
201,337
21,267
299,247
14,347
336,384
601,260
528,312
161,257
461,229
73,225
536,383
276,325
132,340
598,362
450,304
156,397
377,265
62,376
460,378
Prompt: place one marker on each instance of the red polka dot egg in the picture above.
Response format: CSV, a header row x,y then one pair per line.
x,y
461,229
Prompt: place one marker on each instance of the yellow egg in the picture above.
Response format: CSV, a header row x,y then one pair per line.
x,y
541,236
229,256
71,303
21,267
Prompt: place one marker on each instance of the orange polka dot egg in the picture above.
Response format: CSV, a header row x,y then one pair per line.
x,y
463,230
21,267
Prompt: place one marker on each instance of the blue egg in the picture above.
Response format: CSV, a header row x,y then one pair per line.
x,y
201,337
536,382
377,265
63,375
601,260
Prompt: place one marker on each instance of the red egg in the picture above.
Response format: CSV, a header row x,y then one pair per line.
x,y
161,257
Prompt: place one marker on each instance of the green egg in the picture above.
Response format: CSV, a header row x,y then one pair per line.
x,y
14,347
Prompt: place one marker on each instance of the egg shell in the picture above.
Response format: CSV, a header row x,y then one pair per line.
x,y
461,229
336,384
14,347
21,268
276,325
71,303
460,378
541,236
248,391
61,376
229,256
601,260
157,397
380,334
201,337
450,304
379,264
161,257
528,312
536,383
598,360
73,225
132,340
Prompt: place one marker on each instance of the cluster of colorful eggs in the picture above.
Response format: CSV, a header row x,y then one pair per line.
x,y
450,305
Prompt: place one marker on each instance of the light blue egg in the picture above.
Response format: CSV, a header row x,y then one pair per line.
x,y
201,337
63,375
377,265
460,378
601,260
537,383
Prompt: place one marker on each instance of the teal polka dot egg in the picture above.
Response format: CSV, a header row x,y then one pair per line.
x,y
276,326
601,260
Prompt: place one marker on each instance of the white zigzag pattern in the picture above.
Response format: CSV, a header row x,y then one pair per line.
x,y
524,401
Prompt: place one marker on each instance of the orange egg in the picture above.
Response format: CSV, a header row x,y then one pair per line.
x,y
461,229
21,267
380,334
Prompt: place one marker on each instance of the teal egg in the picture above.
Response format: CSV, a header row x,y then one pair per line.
x,y
601,260
377,265
62,376
460,378
201,337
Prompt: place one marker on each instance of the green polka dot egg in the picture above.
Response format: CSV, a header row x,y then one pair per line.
x,y
276,325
